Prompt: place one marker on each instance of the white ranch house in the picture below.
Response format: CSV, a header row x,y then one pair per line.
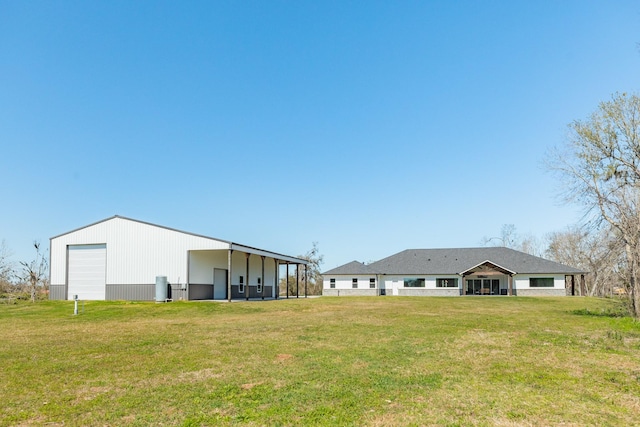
x,y
454,272
121,259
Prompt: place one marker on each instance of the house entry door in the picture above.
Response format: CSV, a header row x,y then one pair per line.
x,y
395,284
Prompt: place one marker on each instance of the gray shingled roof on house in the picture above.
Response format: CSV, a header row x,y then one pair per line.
x,y
456,261
354,267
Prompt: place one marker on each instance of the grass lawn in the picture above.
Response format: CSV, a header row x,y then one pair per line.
x,y
379,361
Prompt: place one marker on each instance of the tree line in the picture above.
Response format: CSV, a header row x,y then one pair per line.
x,y
593,251
599,167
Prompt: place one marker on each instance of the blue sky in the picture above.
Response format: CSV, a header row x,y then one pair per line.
x,y
368,127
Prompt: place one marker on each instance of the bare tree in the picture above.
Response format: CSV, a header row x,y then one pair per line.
x,y
601,171
6,268
34,273
509,238
596,251
532,244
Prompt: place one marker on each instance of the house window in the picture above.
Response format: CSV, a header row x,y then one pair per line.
x,y
372,283
241,285
354,283
541,282
447,283
332,283
414,283
259,285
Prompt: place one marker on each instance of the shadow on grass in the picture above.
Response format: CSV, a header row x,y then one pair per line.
x,y
617,311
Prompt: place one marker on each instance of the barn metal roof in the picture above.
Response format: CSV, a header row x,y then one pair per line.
x,y
232,245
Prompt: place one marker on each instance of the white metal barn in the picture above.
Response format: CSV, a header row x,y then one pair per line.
x,y
120,258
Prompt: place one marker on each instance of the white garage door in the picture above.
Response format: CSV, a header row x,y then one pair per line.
x,y
87,271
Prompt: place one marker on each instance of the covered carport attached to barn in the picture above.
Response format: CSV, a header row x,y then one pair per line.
x,y
240,272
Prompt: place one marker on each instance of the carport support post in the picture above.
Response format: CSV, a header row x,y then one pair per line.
x,y
573,285
276,277
510,280
287,279
306,279
583,288
262,279
297,280
246,285
229,254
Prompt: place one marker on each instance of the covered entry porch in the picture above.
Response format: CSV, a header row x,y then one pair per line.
x,y
237,273
487,278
